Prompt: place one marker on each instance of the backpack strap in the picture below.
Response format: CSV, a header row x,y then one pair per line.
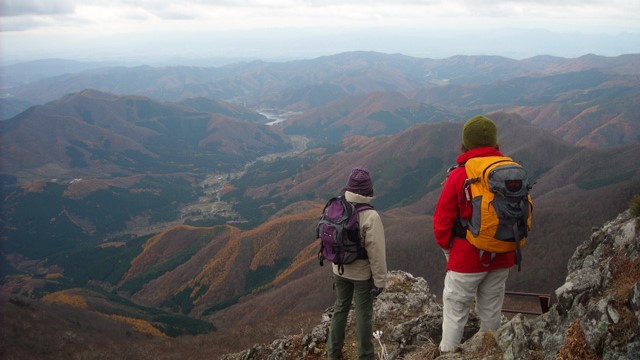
x,y
516,231
359,208
460,225
346,204
459,228
518,252
449,170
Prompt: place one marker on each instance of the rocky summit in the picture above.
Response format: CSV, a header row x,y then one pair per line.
x,y
596,314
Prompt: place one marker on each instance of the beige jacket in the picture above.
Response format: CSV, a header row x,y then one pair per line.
x,y
372,234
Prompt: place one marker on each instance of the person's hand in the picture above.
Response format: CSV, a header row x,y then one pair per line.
x,y
376,291
446,253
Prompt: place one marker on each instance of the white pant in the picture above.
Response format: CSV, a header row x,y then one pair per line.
x,y
459,290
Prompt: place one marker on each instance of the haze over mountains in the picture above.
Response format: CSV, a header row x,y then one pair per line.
x,y
537,88
162,195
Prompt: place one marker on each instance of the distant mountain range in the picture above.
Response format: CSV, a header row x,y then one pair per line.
x,y
334,76
188,207
590,100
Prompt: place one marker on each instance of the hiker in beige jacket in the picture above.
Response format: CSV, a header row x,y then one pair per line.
x,y
362,279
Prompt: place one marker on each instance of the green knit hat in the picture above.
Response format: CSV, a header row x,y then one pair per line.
x,y
479,131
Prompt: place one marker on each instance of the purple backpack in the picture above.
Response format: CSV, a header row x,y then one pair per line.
x,y
339,233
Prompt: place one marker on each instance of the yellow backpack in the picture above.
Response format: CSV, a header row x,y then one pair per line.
x,y
498,189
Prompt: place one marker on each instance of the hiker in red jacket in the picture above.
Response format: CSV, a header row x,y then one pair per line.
x,y
469,276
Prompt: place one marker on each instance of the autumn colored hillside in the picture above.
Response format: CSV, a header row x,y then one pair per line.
x,y
181,203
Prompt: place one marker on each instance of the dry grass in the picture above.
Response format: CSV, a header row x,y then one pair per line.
x,y
626,273
350,348
575,345
428,351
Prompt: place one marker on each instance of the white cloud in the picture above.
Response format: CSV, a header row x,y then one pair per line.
x,y
36,7
609,16
29,24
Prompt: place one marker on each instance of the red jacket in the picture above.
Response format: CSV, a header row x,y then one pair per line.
x,y
464,257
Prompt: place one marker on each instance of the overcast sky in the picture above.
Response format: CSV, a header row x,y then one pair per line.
x,y
285,29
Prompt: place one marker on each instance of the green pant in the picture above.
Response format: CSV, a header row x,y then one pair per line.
x,y
346,290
